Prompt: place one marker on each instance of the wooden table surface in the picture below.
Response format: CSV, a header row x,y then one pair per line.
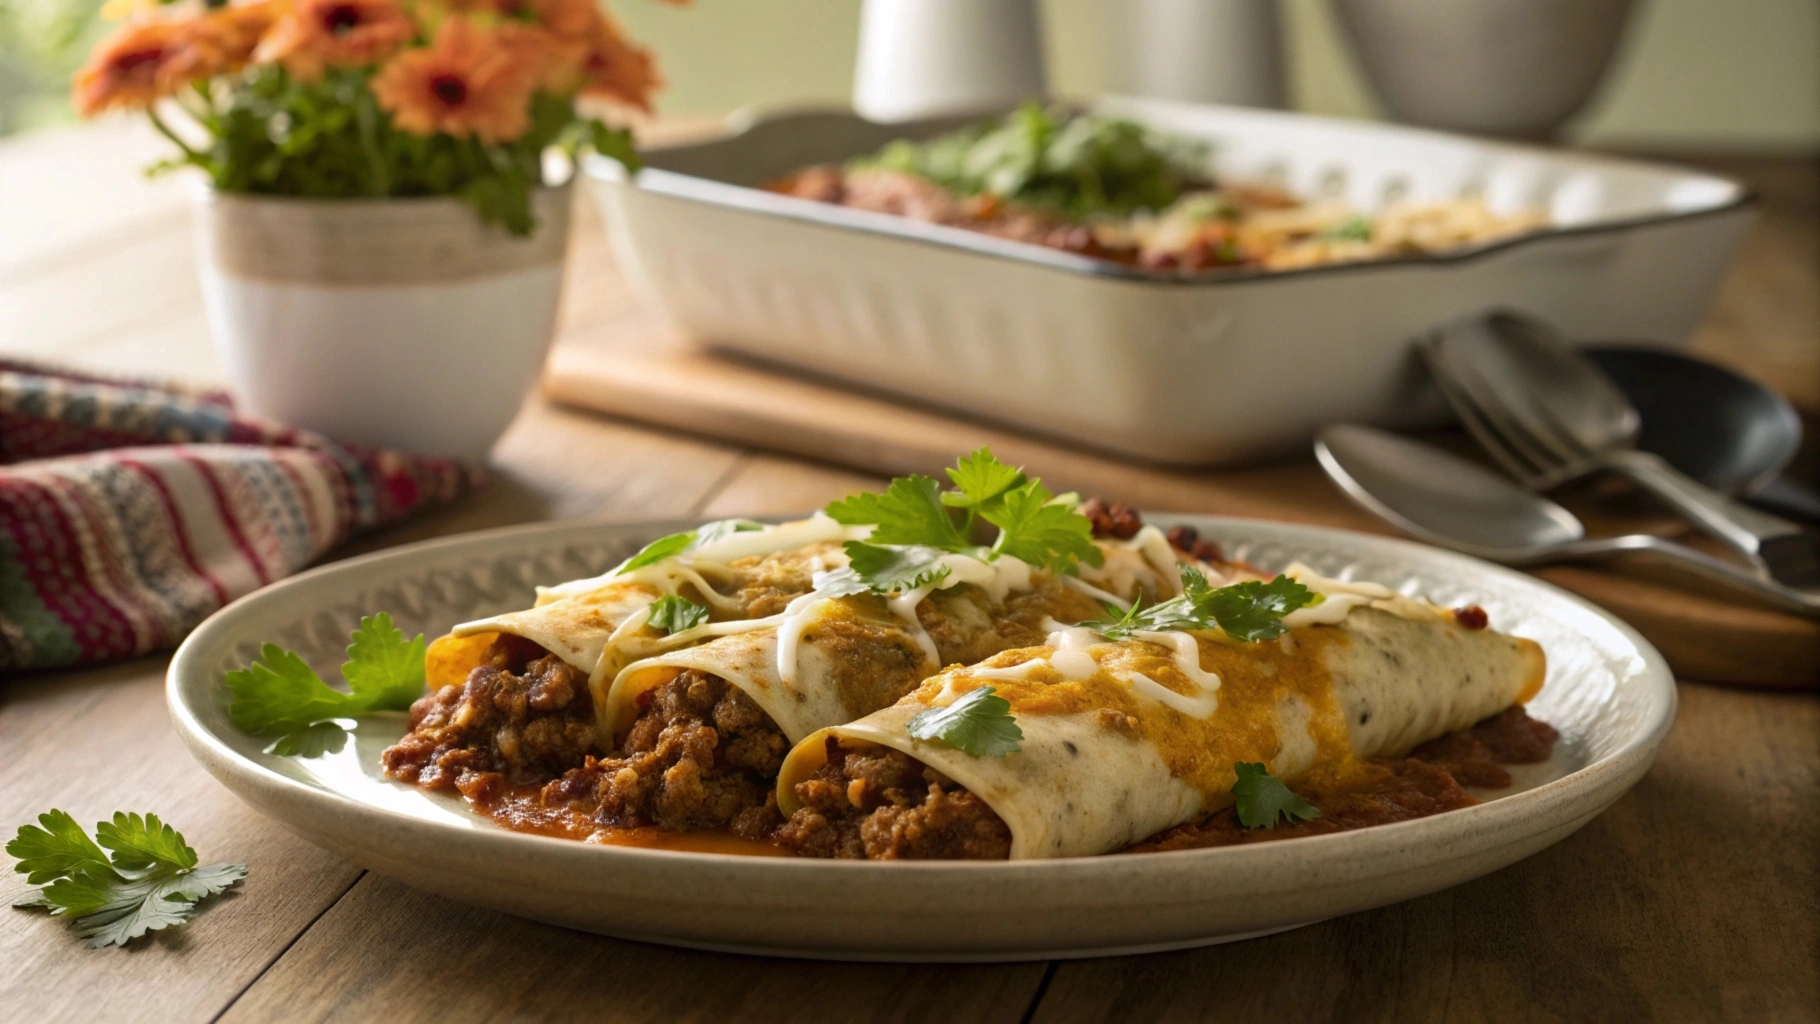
x,y
1696,897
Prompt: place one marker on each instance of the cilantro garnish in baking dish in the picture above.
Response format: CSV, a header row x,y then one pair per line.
x,y
280,696
1252,610
1261,799
146,881
979,722
915,522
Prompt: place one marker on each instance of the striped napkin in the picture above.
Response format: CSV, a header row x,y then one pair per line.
x,y
130,510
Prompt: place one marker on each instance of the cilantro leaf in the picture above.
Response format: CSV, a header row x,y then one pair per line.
x,y
383,668
279,692
1262,799
981,479
310,741
151,881
843,582
720,529
56,849
1355,229
656,551
280,695
896,568
674,614
1254,610
145,844
1046,534
909,512
979,722
1249,611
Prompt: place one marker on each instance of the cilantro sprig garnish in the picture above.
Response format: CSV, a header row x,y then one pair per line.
x,y
674,614
979,722
280,696
1262,798
1250,611
671,545
146,882
915,522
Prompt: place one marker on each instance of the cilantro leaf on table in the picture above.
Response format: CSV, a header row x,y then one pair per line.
x,y
280,696
1248,611
900,568
1262,799
979,723
1041,531
674,614
149,882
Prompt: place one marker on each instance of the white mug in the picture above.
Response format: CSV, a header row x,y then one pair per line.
x,y
920,58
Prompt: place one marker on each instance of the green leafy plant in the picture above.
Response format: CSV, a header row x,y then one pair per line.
x,y
1262,799
345,99
280,696
979,722
147,881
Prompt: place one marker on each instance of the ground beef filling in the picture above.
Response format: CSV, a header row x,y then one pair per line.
x,y
871,802
524,717
701,755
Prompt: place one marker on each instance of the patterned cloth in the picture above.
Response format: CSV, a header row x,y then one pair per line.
x,y
130,510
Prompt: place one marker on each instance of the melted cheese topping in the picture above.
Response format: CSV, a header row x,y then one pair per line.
x,y
1338,597
1202,703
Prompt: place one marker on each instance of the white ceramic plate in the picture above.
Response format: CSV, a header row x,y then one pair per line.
x,y
1608,691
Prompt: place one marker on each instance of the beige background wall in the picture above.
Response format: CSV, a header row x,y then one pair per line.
x,y
1737,75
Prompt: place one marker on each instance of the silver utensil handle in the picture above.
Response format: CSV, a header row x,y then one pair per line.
x,y
1718,570
1786,552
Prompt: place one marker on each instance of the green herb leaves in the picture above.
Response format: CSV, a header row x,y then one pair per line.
x,y
149,880
676,543
979,722
280,696
1078,166
1262,799
914,524
674,614
1250,611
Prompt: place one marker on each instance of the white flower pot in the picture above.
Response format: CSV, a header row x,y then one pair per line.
x,y
404,323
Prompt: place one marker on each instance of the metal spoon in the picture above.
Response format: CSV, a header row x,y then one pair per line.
x,y
1440,498
1536,401
1719,427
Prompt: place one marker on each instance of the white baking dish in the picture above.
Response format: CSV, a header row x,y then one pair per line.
x,y
1190,370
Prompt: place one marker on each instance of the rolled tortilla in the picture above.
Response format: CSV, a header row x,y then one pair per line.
x,y
1125,739
832,660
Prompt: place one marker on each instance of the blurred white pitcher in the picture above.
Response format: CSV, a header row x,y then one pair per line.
x,y
919,58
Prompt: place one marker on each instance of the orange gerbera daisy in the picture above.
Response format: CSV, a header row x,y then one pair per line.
x,y
466,82
233,33
313,34
139,65
618,70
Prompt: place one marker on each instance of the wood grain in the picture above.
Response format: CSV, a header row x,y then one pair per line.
x,y
441,961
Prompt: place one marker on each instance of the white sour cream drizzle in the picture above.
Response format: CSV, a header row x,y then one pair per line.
x,y
1073,660
1145,561
1341,596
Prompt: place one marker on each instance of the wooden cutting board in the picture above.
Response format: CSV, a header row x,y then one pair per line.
x,y
1714,637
